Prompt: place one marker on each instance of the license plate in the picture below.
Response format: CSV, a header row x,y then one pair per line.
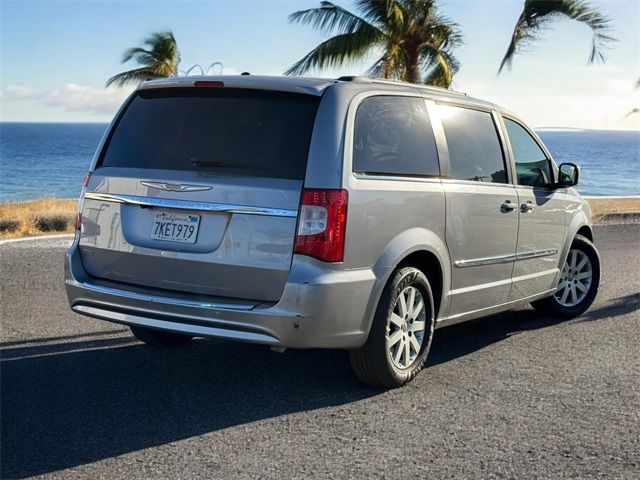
x,y
175,227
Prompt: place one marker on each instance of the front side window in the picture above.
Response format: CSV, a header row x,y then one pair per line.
x,y
532,165
475,153
393,136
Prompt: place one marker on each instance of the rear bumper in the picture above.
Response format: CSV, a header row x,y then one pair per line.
x,y
320,307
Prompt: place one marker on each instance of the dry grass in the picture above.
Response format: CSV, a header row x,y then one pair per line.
x,y
604,206
37,217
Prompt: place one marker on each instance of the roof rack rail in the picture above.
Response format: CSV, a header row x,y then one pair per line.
x,y
357,78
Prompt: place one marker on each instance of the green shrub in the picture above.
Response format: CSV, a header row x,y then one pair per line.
x,y
8,225
53,222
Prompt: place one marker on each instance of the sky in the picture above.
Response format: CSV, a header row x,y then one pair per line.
x,y
55,56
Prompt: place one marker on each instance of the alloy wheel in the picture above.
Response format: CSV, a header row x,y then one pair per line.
x,y
575,279
405,328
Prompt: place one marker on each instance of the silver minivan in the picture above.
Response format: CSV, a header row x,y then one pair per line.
x,y
354,213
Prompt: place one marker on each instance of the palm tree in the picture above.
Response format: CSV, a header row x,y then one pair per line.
x,y
416,42
538,13
159,59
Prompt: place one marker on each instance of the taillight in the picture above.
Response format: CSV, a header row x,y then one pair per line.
x,y
322,222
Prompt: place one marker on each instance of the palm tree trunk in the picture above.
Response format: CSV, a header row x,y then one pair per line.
x,y
412,70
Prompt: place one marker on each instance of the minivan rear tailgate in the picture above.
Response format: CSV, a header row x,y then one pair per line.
x,y
243,245
197,190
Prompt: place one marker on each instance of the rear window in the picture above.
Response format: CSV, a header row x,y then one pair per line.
x,y
246,132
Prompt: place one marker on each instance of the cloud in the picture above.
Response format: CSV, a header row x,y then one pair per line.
x,y
81,99
71,97
18,92
603,103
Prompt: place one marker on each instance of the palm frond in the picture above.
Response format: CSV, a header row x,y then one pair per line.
x,y
335,51
137,52
383,12
444,32
135,75
376,69
518,37
440,66
537,13
330,18
394,64
400,28
160,59
632,112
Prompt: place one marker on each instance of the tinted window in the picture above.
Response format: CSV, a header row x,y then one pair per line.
x,y
215,129
393,136
474,149
532,165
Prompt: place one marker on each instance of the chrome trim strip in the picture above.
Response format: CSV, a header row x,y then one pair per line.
x,y
536,254
157,299
477,262
190,205
396,178
176,187
197,330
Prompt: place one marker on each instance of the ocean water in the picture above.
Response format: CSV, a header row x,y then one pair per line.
x,y
45,159
609,160
50,159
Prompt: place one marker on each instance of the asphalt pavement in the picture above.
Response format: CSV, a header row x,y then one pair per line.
x,y
515,395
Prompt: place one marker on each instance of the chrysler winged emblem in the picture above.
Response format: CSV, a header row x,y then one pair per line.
x,y
175,187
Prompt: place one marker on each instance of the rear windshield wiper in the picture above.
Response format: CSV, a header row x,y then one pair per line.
x,y
213,164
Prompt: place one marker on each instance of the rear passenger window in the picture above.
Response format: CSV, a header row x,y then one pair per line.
x,y
393,136
474,148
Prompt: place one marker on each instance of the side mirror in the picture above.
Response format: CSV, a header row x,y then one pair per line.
x,y
569,175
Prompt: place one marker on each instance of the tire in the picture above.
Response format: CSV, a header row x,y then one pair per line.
x,y
159,338
376,362
553,305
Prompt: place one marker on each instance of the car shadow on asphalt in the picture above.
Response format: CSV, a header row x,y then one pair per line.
x,y
458,340
72,403
613,308
90,402
464,338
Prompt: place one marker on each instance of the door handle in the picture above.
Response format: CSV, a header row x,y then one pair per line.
x,y
527,207
508,206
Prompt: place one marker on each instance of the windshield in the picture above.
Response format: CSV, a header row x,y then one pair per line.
x,y
235,131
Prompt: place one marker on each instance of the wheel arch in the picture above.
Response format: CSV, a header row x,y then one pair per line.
x,y
418,247
585,231
428,264
580,224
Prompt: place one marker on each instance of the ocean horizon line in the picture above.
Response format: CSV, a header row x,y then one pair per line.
x,y
107,122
